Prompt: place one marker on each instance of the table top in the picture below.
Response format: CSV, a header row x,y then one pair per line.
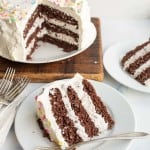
x,y
113,31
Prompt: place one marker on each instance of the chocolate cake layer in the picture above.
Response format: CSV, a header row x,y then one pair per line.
x,y
145,75
132,68
54,13
99,106
66,125
62,44
79,110
132,52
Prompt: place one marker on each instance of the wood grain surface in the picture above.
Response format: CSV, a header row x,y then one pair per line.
x,y
88,63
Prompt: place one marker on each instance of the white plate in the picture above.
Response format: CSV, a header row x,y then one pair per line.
x,y
112,58
30,136
47,53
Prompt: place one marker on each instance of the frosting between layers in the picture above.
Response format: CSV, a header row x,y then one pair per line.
x,y
70,113
60,36
76,84
38,23
143,67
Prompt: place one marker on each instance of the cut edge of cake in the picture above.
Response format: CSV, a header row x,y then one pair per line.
x,y
71,111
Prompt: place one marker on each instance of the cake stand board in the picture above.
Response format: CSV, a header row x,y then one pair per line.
x,y
88,63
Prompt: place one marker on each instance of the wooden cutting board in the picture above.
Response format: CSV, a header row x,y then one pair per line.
x,y
88,63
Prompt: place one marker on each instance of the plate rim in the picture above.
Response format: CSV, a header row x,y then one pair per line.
x,y
109,50
96,82
63,58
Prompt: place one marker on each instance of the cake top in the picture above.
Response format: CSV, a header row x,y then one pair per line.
x,y
18,9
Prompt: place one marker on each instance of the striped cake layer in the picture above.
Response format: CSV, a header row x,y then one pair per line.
x,y
137,63
55,32
76,110
60,28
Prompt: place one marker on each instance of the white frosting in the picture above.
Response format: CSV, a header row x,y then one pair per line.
x,y
11,41
147,82
14,48
54,128
143,67
76,84
138,54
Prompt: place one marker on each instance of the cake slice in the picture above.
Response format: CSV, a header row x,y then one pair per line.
x,y
137,63
71,111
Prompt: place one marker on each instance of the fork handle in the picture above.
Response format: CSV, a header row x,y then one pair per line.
x,y
124,136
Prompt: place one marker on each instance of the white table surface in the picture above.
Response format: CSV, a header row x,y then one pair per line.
x,y
115,31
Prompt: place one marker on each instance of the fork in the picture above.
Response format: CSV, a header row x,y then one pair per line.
x,y
19,84
6,81
8,114
123,136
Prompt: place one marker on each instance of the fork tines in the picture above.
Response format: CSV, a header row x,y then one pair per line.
x,y
22,82
7,80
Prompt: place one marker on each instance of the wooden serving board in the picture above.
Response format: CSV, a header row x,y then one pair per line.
x,y
88,63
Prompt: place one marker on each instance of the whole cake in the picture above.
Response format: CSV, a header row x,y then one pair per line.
x,y
137,63
71,111
24,23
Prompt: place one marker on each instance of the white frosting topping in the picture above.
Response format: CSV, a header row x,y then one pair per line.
x,y
76,84
11,41
138,54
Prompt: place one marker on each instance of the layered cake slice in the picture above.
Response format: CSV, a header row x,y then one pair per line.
x,y
71,111
25,23
137,63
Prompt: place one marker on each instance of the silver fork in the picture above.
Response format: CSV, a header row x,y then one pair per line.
x,y
8,114
18,87
6,81
8,76
124,136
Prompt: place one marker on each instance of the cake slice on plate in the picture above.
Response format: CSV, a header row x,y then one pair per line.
x,y
137,63
71,111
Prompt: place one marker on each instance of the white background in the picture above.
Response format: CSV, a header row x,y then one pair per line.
x,y
120,8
